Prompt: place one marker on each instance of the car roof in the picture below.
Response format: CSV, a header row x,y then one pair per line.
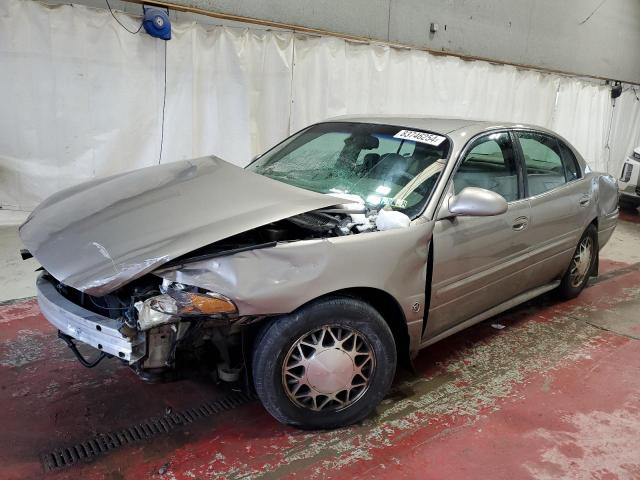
x,y
442,125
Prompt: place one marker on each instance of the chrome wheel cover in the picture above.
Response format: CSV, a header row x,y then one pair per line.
x,y
329,368
581,262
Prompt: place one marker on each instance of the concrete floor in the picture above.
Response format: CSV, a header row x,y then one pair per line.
x,y
553,394
17,276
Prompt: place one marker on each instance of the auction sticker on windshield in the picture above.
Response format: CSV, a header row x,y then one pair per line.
x,y
422,137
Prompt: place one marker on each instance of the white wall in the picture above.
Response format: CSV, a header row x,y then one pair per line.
x,y
83,98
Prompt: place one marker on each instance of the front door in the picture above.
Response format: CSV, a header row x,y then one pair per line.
x,y
477,260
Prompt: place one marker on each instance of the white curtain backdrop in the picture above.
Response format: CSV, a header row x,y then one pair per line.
x,y
335,77
72,102
81,97
583,116
228,92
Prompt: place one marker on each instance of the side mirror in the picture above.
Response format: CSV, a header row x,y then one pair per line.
x,y
477,202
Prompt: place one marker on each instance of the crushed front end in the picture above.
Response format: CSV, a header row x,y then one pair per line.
x,y
147,324
156,324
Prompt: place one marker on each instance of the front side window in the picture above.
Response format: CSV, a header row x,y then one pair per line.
x,y
383,164
543,161
490,164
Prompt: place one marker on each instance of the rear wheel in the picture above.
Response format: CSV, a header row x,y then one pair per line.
x,y
326,366
581,266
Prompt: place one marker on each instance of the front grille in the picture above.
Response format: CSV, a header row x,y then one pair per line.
x,y
626,172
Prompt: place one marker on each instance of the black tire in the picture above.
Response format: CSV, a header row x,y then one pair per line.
x,y
278,338
568,288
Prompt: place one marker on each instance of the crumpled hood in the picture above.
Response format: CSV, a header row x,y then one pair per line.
x,y
102,234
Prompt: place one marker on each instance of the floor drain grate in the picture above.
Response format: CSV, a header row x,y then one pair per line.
x,y
152,427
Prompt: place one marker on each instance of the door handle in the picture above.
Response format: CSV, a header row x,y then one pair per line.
x,y
584,201
520,224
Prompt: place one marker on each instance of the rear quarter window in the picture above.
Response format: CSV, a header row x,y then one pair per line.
x,y
571,167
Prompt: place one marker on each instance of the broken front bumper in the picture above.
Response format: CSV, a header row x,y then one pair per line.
x,y
84,325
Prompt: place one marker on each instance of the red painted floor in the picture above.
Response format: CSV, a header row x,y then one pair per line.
x,y
554,394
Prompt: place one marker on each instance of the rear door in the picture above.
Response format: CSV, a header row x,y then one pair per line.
x,y
559,199
477,260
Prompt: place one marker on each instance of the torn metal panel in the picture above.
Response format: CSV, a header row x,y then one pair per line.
x,y
98,236
282,278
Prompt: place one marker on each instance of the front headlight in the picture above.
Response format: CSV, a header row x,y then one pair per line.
x,y
175,304
197,304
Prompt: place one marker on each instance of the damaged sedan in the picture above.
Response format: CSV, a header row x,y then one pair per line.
x,y
339,253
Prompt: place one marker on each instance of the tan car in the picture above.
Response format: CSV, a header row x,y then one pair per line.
x,y
338,253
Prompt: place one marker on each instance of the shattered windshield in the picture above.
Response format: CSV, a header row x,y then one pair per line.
x,y
382,164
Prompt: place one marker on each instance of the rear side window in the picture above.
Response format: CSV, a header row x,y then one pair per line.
x,y
571,169
543,161
490,164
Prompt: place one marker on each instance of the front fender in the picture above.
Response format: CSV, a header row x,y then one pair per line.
x,y
280,279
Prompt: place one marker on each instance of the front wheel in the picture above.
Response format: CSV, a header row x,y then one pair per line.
x,y
581,266
325,366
